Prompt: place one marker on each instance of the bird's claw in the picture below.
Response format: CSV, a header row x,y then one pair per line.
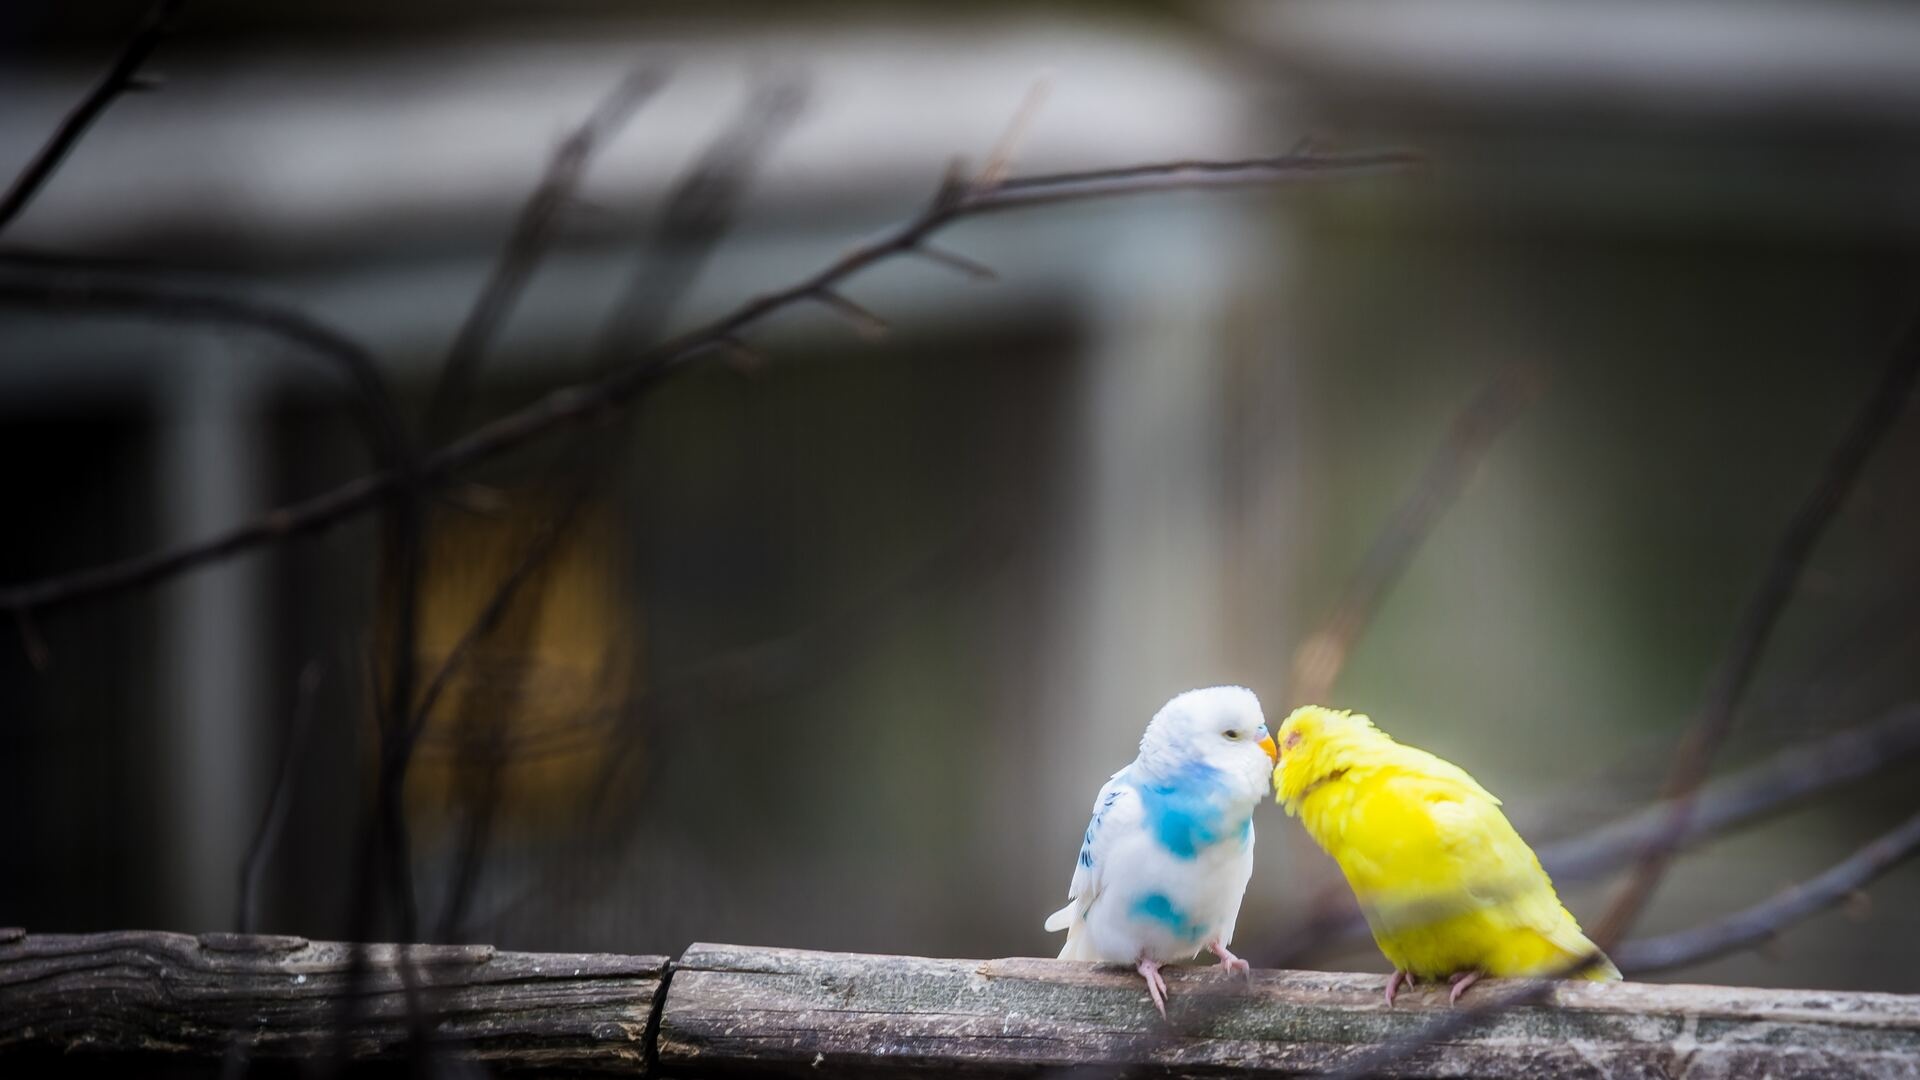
x,y
1156,986
1233,964
1461,980
1396,980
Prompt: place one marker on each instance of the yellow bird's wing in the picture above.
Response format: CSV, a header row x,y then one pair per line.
x,y
1529,930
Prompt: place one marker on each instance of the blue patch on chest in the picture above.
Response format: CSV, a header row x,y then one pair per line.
x,y
1185,812
1156,908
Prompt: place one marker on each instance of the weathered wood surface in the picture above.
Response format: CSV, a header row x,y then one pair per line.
x,y
734,1010
143,1000
164,997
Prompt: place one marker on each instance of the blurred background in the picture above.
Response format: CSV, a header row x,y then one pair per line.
x,y
829,642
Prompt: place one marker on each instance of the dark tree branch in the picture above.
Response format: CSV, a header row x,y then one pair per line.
x,y
586,402
1760,923
1790,778
1744,650
121,77
1318,661
50,283
696,215
266,836
529,240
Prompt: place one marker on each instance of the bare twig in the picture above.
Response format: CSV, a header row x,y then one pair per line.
x,y
1790,778
1000,161
864,321
54,284
246,915
120,78
528,241
1760,923
974,269
1751,634
584,402
695,215
1321,657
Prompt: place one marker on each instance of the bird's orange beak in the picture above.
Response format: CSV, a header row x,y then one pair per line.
x,y
1273,752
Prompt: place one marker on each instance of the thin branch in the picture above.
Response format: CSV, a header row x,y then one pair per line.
x,y
1870,425
1000,161
122,77
974,269
1318,661
529,239
1288,168
587,401
695,215
1792,777
1762,922
51,283
864,321
246,915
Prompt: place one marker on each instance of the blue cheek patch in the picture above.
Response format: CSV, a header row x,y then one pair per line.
x,y
1156,908
1184,813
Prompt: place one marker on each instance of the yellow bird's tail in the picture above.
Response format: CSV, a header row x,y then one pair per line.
x,y
1604,971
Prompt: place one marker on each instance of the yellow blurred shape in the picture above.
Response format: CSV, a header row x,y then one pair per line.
x,y
533,712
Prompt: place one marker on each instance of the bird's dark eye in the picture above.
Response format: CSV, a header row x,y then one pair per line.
x,y
1233,735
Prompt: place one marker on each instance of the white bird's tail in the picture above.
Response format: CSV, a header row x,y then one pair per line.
x,y
1068,919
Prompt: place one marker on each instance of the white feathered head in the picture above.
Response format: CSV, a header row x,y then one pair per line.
x,y
1219,726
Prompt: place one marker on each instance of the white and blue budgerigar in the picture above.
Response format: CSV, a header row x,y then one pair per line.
x,y
1169,851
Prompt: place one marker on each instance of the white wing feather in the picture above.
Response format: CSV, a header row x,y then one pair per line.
x,y
1116,810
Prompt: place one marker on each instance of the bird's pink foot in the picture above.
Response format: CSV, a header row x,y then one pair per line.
x,y
1396,980
1233,964
1156,986
1461,980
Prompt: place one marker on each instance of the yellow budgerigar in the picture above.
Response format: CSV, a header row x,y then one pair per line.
x,y
1447,885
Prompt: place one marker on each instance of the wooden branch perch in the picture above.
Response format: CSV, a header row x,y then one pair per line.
x,y
157,998
174,997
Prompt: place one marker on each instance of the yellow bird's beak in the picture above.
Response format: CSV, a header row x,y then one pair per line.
x,y
1273,752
